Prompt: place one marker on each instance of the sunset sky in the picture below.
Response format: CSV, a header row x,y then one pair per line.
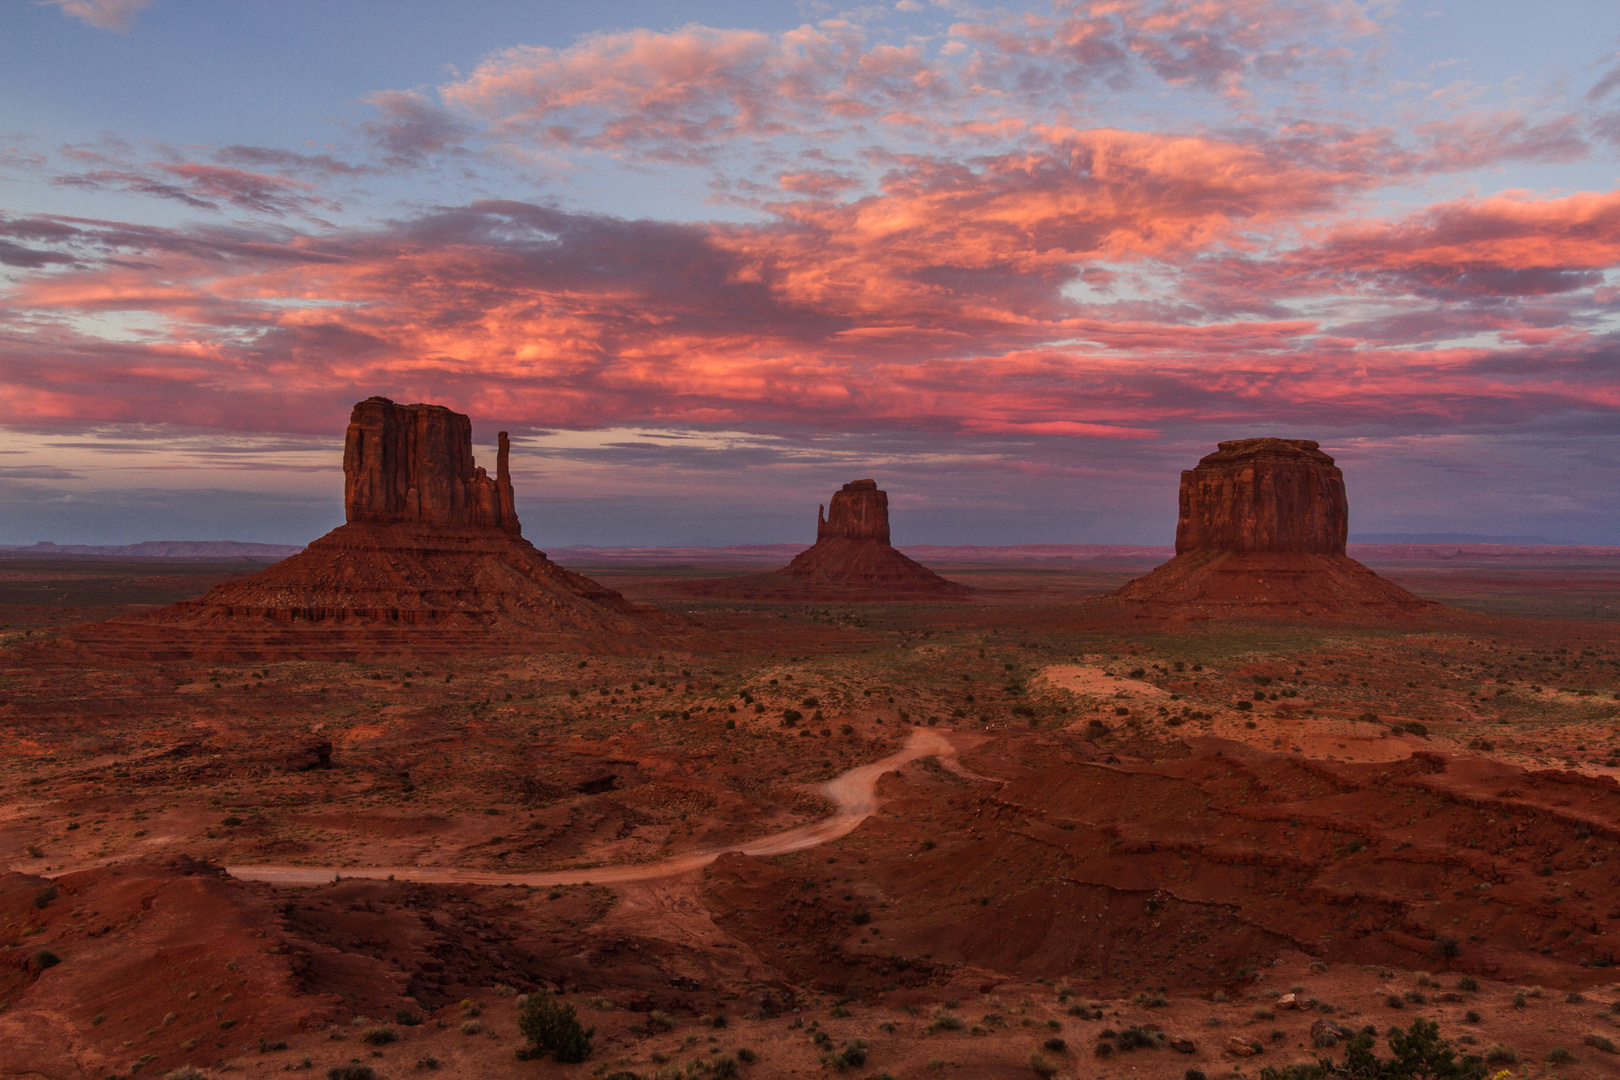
x,y
708,261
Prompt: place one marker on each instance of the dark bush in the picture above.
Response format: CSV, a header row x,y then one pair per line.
x,y
350,1072
44,896
552,1029
45,959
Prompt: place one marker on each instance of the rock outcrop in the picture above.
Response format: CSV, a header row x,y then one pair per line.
x,y
1277,495
852,560
859,512
431,558
413,465
1261,533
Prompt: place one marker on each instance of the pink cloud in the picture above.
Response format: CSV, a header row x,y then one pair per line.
x,y
115,15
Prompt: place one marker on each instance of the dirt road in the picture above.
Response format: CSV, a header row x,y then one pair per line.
x,y
853,794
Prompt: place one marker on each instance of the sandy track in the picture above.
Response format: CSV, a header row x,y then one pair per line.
x,y
853,794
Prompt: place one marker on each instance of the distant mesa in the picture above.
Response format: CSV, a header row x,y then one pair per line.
x,y
431,542
852,560
1261,532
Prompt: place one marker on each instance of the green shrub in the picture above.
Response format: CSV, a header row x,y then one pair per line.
x,y
1419,1054
552,1029
851,1055
379,1036
661,1020
1468,984
1135,1037
944,1021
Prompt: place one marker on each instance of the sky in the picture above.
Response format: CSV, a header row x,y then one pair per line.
x,y
708,261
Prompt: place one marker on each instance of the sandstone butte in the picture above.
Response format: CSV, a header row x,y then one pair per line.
x,y
431,542
1261,532
851,560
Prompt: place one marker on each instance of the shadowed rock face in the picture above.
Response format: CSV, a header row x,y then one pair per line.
x,y
413,465
859,512
1261,534
1271,495
430,559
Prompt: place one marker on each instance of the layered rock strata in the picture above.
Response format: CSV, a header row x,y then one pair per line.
x,y
852,560
1261,532
431,543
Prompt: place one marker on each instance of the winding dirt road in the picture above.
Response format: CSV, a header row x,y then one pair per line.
x,y
853,794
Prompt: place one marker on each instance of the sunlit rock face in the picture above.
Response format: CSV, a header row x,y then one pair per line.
x,y
413,465
1273,495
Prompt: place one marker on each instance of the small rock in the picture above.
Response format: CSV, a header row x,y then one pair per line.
x,y
1242,1046
1182,1045
1288,1001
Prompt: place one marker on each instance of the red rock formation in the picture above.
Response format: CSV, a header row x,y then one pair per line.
x,y
413,464
1262,533
859,512
1264,495
432,544
852,560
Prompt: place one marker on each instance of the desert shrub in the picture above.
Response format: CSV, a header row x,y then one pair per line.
x,y
1502,1055
1056,1045
350,1072
1468,984
1559,1055
44,896
661,1020
860,917
747,1056
406,1018
851,1055
185,1072
379,1036
1152,1001
552,1029
1264,1013
1419,1054
427,1062
45,959
1395,1001
945,1021
791,717
1194,1074
1471,1017
1244,706
1518,1000
471,1027
1602,1043
1041,1065
1136,1037
1104,1049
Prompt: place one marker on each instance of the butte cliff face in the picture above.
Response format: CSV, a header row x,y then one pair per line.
x,y
852,560
1273,495
413,465
1261,532
431,558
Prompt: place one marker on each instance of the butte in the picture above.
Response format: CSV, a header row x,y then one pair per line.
x,y
430,559
851,560
1261,533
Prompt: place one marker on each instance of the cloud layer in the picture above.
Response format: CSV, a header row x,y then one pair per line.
x,y
960,242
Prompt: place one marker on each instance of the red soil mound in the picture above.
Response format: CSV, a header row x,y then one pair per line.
x,y
430,560
1195,872
852,560
1261,533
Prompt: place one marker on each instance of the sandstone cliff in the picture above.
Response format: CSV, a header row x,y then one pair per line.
x,y
431,559
1261,533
